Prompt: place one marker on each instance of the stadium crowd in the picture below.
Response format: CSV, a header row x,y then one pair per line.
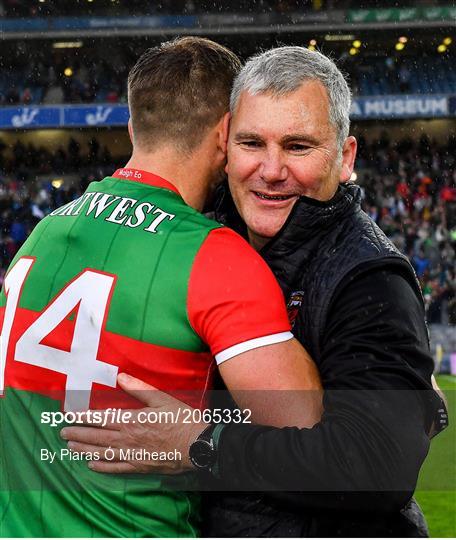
x,y
48,76
39,77
409,190
25,198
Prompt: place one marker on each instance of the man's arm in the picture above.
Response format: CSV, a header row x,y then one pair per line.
x,y
236,306
375,368
278,383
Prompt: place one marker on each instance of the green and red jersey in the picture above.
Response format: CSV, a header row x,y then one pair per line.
x,y
126,278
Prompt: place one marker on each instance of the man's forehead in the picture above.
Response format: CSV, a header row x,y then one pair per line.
x,y
307,106
310,92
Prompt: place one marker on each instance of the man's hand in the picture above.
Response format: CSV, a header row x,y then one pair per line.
x,y
152,437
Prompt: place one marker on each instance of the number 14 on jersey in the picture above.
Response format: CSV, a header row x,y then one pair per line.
x,y
89,294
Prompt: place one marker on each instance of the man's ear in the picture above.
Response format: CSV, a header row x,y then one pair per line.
x,y
224,132
224,135
348,158
130,130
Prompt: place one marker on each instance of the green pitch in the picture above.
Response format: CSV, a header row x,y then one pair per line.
x,y
436,492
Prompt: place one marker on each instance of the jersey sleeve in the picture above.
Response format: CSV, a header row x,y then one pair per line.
x,y
234,301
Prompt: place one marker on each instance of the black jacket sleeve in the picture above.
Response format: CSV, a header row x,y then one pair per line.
x,y
372,438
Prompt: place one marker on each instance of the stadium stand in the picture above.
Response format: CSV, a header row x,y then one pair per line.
x,y
374,76
409,183
27,193
408,190
38,77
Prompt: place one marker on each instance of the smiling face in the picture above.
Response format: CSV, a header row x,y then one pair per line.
x,y
281,148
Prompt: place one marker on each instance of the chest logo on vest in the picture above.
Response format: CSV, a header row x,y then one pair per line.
x,y
294,303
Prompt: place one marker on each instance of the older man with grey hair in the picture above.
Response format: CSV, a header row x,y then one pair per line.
x,y
354,303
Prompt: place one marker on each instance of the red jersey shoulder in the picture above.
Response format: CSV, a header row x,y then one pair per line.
x,y
233,296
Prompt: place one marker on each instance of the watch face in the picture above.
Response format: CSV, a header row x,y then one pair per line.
x,y
202,455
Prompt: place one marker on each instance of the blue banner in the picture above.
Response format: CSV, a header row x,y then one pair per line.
x,y
86,23
403,106
100,115
63,116
23,25
106,115
30,117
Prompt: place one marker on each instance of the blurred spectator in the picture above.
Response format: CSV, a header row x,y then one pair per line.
x,y
404,78
412,197
420,263
26,96
12,95
54,94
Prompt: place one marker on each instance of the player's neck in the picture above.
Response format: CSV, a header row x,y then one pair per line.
x,y
188,174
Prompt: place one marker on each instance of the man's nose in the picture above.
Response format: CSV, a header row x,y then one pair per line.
x,y
272,167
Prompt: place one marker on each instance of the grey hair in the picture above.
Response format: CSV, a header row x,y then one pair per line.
x,y
283,70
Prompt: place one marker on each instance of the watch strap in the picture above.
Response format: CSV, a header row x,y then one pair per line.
x,y
208,434
216,434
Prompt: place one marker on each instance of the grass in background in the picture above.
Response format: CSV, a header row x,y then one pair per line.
x,y
436,492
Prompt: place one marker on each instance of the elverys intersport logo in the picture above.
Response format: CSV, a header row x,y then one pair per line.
x,y
293,306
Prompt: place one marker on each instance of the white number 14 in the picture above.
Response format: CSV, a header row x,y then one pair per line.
x,y
89,292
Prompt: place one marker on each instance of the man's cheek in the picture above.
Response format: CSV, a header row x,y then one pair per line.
x,y
243,166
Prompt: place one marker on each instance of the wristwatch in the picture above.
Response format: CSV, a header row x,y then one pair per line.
x,y
203,452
